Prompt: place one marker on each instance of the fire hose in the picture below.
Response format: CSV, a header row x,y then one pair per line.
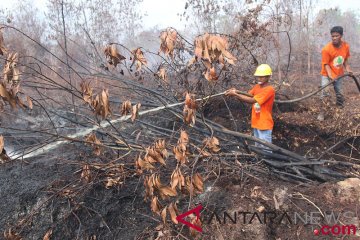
x,y
296,99
319,89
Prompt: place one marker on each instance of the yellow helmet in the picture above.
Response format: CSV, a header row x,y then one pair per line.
x,y
263,70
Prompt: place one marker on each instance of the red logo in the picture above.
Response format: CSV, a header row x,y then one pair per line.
x,y
196,210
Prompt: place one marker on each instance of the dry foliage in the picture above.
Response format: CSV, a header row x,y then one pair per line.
x,y
125,108
112,55
212,49
177,179
155,205
169,40
11,235
256,192
48,234
85,173
189,111
3,49
154,154
94,143
138,59
30,104
3,156
135,111
10,95
180,150
87,91
174,212
141,165
110,182
10,71
194,185
161,73
163,214
166,192
198,183
1,143
195,221
212,144
99,103
115,175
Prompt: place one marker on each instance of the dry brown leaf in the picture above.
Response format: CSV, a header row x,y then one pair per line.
x,y
149,159
149,188
177,179
174,179
48,234
8,95
180,154
190,101
189,116
168,40
156,181
154,156
112,55
3,50
101,104
229,58
181,180
105,102
189,186
198,183
125,108
155,205
163,214
135,111
161,73
203,153
160,147
11,235
87,92
143,165
11,73
212,144
256,192
1,143
210,49
167,192
85,173
210,74
173,212
180,150
138,59
3,156
192,61
197,222
1,105
109,182
30,103
184,137
94,143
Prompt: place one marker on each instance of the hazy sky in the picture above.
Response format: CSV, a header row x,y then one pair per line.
x,y
164,12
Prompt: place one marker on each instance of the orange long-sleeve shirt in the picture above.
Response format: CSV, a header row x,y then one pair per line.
x,y
264,96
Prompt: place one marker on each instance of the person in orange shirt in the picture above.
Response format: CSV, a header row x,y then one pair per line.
x,y
262,103
335,57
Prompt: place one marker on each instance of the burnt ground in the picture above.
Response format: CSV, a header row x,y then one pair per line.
x,y
43,193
